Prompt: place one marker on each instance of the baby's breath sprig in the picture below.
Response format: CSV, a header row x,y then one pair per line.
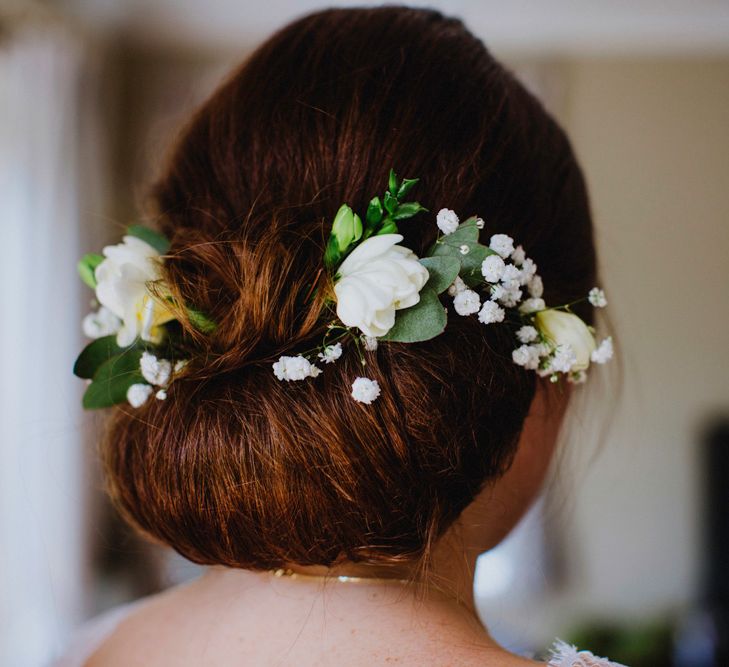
x,y
497,282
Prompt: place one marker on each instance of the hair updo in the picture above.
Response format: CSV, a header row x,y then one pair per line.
x,y
239,469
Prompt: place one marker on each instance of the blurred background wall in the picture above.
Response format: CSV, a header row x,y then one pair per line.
x,y
642,88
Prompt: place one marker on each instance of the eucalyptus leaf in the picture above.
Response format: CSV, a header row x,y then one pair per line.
x,y
113,379
408,210
94,355
471,264
151,237
87,268
423,321
406,186
442,271
449,244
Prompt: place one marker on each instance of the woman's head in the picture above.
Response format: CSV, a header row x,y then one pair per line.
x,y
239,469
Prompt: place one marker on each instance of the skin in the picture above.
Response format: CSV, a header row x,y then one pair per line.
x,y
240,617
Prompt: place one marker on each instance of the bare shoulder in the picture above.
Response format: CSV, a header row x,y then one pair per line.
x,y
194,624
148,629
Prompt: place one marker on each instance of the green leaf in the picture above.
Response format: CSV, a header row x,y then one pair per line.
x,y
471,264
332,256
467,233
95,354
112,380
450,246
423,321
391,203
346,228
374,211
442,270
408,210
87,268
393,183
406,186
388,228
151,237
201,321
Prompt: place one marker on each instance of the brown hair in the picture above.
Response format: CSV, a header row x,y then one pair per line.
x,y
238,468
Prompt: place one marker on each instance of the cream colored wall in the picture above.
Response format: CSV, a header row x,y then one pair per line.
x,y
653,137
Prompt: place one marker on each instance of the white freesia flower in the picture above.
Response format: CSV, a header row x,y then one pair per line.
x,y
597,297
377,278
121,287
604,352
502,244
447,221
137,394
365,390
467,302
457,286
101,323
492,268
490,313
155,371
161,395
295,368
527,334
562,328
331,353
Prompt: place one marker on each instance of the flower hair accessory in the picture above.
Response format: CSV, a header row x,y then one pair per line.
x,y
385,293
382,292
137,350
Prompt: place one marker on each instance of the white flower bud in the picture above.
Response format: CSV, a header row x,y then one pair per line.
x,y
467,302
447,221
492,268
365,390
502,244
137,394
490,313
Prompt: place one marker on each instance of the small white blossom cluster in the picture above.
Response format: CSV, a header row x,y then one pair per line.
x,y
560,342
295,368
299,367
157,373
365,390
552,341
508,272
101,323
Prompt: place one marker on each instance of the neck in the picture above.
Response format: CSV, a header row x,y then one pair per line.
x,y
451,572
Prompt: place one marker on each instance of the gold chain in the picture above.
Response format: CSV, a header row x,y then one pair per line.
x,y
345,579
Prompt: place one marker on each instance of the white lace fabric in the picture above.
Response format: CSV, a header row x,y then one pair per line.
x,y
567,655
